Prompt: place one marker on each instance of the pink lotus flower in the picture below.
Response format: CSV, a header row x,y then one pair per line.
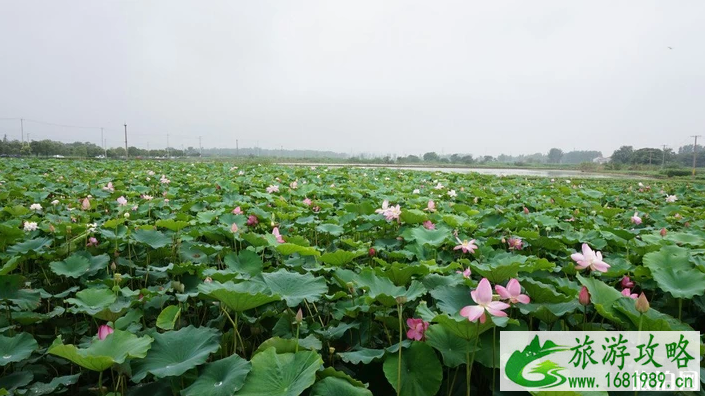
x,y
628,293
92,241
109,187
483,298
307,202
428,224
417,329
465,245
589,258
431,206
234,228
584,296
147,197
515,243
636,219
294,185
237,211
272,188
164,180
466,273
86,204
104,331
512,292
389,212
275,232
122,201
252,220
627,283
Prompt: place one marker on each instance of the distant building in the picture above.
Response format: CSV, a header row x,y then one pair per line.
x,y
602,160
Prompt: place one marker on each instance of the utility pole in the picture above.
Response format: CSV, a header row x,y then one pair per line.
x,y
663,159
168,153
102,141
695,150
22,129
237,148
200,147
127,156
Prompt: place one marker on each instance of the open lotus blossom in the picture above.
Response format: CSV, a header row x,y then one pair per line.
x,y
465,245
626,282
109,187
483,298
237,211
428,224
104,331
417,329
121,201
466,273
671,198
272,188
55,202
636,219
151,173
164,180
628,293
252,220
275,232
452,194
147,197
515,243
431,206
294,185
307,201
30,226
389,212
416,191
512,292
92,241
35,206
584,296
589,258
439,186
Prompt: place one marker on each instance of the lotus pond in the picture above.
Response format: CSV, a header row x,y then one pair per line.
x,y
168,278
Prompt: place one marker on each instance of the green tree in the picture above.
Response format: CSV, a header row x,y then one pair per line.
x,y
623,155
431,157
555,155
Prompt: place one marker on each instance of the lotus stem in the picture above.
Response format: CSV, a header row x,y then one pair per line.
x,y
680,308
471,361
494,341
400,341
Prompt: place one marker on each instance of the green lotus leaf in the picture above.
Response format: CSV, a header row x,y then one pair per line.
x,y
401,274
364,355
332,229
220,378
339,387
18,379
452,299
603,298
651,320
172,225
12,290
100,303
102,354
340,257
287,374
155,239
246,262
238,296
413,216
167,318
421,371
451,347
674,272
73,267
17,348
175,352
385,291
35,245
294,287
422,236
290,248
52,387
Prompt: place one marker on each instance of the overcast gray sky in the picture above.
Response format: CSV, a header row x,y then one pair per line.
x,y
393,76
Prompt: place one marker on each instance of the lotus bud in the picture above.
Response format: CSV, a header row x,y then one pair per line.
x,y
127,215
299,316
663,232
86,204
642,304
526,210
372,252
175,285
584,296
113,266
103,331
331,350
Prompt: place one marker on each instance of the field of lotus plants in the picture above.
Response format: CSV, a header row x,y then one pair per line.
x,y
175,278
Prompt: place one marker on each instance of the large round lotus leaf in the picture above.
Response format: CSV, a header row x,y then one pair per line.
x,y
12,289
175,352
674,273
287,374
338,387
295,287
238,296
221,378
102,354
421,371
73,267
52,387
17,348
